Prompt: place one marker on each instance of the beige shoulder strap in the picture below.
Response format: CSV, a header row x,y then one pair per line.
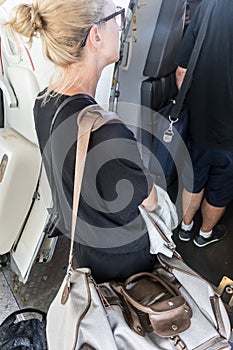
x,y
89,119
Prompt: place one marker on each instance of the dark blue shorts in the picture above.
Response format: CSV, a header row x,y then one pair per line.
x,y
213,171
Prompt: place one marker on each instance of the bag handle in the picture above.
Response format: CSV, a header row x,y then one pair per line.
x,y
89,119
167,284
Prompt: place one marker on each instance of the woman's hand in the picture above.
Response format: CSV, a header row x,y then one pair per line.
x,y
180,74
151,201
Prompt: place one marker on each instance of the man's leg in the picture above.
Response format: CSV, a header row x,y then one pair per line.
x,y
210,232
210,216
191,202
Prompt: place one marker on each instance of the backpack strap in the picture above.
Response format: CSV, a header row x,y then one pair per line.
x,y
12,317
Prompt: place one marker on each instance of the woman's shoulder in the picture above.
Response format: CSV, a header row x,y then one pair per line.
x,y
116,129
114,137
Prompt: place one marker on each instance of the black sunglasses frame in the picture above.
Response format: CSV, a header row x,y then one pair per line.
x,y
104,20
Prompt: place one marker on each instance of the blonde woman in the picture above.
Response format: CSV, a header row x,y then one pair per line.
x,y
81,38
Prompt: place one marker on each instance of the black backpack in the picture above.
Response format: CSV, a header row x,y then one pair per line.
x,y
28,334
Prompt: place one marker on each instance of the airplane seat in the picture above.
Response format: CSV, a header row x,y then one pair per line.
x,y
160,62
21,223
26,88
159,68
191,8
19,84
172,19
160,85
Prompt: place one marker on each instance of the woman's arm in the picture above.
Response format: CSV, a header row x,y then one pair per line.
x,y
180,74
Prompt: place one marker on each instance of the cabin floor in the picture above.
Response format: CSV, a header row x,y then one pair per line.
x,y
41,287
213,262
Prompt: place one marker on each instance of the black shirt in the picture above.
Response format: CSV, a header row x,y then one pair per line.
x,y
210,98
115,181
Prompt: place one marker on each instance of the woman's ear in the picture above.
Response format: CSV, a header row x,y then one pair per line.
x,y
95,36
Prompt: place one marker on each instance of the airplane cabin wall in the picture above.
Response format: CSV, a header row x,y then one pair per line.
x,y
130,78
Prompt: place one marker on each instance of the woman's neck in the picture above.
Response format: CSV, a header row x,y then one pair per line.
x,y
78,90
85,83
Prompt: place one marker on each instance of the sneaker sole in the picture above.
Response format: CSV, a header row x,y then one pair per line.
x,y
184,239
207,243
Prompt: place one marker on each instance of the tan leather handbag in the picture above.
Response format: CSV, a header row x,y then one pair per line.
x,y
158,304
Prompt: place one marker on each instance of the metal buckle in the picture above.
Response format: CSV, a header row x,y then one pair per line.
x,y
225,290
